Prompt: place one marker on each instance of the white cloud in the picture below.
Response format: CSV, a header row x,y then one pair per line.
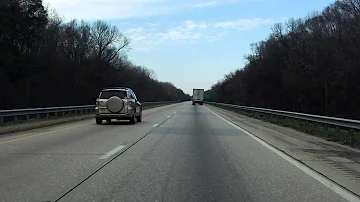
x,y
141,49
124,9
245,24
213,3
112,9
148,36
205,4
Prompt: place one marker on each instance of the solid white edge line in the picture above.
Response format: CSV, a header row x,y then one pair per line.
x,y
112,152
323,180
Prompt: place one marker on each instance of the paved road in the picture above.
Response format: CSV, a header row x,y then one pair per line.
x,y
178,153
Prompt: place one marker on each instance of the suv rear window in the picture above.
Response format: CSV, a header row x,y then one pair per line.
x,y
109,93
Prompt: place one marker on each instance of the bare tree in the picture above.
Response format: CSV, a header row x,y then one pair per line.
x,y
48,62
108,40
308,65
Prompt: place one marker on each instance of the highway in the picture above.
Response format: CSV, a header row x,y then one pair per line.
x,y
179,152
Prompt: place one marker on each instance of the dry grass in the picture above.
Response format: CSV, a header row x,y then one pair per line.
x,y
330,133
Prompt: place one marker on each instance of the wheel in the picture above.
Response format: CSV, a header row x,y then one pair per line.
x,y
201,103
139,117
133,119
108,120
98,121
193,103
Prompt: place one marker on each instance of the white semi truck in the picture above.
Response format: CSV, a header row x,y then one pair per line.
x,y
198,96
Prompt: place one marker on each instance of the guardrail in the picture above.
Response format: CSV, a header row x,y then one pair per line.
x,y
351,125
39,113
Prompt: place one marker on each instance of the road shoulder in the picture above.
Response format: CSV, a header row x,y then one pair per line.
x,y
339,163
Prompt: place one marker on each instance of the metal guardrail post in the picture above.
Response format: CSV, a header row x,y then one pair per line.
x,y
352,136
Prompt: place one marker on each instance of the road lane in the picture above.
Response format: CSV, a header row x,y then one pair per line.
x,y
196,156
40,164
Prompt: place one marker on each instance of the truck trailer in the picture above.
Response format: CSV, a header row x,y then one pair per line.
x,y
198,96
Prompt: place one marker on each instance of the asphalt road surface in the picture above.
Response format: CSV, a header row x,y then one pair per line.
x,y
179,152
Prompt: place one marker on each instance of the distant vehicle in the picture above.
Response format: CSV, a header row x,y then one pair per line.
x,y
118,103
198,96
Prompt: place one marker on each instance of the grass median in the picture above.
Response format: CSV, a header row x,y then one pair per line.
x,y
23,125
330,133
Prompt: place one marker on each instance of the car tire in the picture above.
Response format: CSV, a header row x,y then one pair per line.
x,y
98,121
193,103
139,118
201,103
133,119
108,120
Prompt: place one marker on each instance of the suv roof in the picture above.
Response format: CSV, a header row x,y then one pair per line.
x,y
116,88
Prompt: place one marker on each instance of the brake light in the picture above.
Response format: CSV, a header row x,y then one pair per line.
x,y
97,102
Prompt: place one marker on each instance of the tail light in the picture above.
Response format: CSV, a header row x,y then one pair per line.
x,y
97,102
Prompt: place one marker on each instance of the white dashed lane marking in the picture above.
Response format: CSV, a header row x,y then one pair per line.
x,y
112,152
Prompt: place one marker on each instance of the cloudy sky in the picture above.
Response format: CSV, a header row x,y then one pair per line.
x,y
191,43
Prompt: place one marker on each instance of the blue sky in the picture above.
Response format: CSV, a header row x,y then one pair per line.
x,y
191,43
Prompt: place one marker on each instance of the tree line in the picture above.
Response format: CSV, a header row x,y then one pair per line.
x,y
45,61
309,65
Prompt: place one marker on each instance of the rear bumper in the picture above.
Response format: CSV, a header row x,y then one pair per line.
x,y
113,116
130,114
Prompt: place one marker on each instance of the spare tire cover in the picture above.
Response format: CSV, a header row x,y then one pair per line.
x,y
115,104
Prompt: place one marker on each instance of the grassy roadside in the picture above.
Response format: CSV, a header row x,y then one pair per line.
x,y
330,133
40,123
